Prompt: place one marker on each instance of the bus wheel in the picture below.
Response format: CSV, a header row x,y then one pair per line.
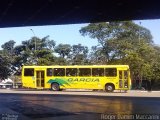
x,y
55,87
109,87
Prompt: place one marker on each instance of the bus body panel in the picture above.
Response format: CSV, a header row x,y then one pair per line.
x,y
79,82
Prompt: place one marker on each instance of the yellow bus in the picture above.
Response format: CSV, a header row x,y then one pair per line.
x,y
96,77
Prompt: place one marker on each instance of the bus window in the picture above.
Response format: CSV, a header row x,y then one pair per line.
x,y
84,72
120,74
120,79
49,71
125,74
71,71
97,71
59,72
111,72
29,72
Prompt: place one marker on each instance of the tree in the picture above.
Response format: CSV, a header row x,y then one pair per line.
x,y
5,70
7,59
108,33
123,42
156,68
97,56
78,55
12,58
63,50
8,47
41,55
28,54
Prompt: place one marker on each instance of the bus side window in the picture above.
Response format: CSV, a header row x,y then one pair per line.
x,y
71,71
111,72
59,72
29,72
49,71
97,71
120,74
84,72
125,74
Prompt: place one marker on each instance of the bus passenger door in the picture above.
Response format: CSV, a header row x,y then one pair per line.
x,y
40,77
123,79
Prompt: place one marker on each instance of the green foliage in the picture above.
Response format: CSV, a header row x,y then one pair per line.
x,y
8,47
30,52
78,55
5,70
124,43
60,61
63,49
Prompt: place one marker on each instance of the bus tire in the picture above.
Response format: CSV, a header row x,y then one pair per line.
x,y
109,87
55,87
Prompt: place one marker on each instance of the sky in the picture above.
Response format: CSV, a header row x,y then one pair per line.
x,y
66,34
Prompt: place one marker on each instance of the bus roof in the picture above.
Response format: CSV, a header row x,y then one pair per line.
x,y
75,66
